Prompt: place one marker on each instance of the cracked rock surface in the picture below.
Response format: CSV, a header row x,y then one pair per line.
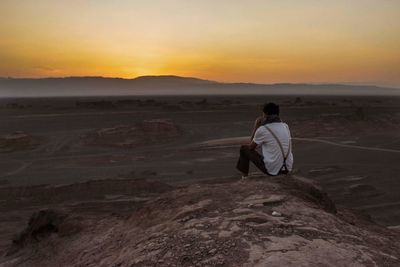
x,y
222,224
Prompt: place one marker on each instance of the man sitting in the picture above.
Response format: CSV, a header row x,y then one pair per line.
x,y
273,136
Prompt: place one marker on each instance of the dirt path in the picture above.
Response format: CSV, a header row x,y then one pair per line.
x,y
23,166
235,141
348,146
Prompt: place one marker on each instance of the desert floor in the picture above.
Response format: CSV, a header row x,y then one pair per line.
x,y
350,145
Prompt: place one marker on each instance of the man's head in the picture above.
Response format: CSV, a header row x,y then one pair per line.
x,y
271,109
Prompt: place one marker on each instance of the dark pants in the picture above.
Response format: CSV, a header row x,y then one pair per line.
x,y
247,155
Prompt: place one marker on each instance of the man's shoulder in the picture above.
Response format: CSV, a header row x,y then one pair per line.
x,y
272,126
282,124
279,127
276,125
285,124
261,130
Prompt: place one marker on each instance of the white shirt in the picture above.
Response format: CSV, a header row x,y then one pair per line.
x,y
273,158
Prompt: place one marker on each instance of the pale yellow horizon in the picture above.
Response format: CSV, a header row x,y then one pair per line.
x,y
302,41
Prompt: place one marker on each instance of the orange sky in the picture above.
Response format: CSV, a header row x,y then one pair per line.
x,y
226,40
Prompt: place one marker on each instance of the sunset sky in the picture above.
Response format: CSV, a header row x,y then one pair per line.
x,y
225,40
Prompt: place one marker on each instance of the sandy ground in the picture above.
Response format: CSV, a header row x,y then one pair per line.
x,y
350,145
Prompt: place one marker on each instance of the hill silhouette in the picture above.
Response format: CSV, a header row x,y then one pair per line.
x,y
169,85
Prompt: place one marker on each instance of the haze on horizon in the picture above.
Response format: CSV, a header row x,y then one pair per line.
x,y
234,41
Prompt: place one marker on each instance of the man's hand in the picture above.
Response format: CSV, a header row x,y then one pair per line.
x,y
258,121
257,124
252,145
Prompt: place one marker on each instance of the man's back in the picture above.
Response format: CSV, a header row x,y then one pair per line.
x,y
271,151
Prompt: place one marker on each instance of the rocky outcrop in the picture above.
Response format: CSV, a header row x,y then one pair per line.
x,y
17,141
262,221
41,225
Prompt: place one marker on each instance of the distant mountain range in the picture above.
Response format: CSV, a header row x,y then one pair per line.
x,y
170,85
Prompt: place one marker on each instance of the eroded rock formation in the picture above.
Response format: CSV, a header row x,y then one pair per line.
x,y
262,221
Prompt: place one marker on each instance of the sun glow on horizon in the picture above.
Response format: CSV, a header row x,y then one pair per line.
x,y
232,41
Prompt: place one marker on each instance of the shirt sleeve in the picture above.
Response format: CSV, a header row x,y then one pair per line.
x,y
288,130
259,136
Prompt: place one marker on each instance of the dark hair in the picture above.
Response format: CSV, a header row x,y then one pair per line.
x,y
271,109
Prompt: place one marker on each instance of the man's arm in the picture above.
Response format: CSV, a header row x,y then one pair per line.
x,y
252,145
257,124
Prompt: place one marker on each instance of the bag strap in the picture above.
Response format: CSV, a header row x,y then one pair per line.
x,y
285,156
290,143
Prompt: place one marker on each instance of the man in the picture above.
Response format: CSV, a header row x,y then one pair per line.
x,y
273,137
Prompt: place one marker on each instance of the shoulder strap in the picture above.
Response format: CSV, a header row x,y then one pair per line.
x,y
290,142
280,144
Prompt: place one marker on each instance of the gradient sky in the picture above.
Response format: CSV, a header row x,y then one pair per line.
x,y
225,40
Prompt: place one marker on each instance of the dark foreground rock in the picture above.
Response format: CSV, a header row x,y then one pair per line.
x,y
41,225
279,221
